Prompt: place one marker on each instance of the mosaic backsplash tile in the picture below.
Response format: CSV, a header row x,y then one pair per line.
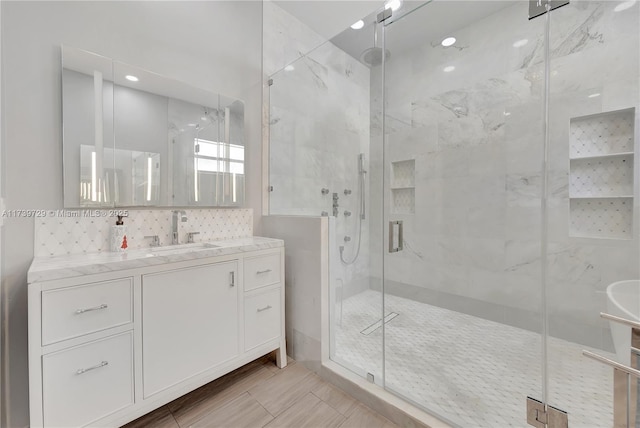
x,y
66,235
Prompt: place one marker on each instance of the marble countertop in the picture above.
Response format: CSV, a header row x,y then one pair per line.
x,y
60,267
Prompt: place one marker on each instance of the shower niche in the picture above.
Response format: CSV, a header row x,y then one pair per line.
x,y
601,175
403,186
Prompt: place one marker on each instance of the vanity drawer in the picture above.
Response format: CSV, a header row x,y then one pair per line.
x,y
261,271
88,382
262,318
75,311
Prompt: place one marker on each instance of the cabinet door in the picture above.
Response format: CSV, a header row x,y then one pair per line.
x,y
189,323
83,384
262,317
73,311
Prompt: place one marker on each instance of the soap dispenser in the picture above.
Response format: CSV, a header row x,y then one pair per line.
x,y
119,236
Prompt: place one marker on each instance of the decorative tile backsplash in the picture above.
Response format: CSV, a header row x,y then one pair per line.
x,y
55,236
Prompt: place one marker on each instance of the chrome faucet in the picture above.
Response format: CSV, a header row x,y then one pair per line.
x,y
174,224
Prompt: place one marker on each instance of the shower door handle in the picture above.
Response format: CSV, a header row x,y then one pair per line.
x,y
392,228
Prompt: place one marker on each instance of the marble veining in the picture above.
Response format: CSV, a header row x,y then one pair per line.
x,y
61,267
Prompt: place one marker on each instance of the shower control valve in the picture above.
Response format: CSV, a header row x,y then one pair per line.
x,y
347,191
347,213
347,238
324,191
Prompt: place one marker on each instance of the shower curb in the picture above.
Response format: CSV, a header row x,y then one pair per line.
x,y
388,405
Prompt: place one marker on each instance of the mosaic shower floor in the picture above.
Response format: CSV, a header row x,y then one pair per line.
x,y
473,372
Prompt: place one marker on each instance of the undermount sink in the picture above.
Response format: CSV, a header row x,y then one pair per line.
x,y
179,248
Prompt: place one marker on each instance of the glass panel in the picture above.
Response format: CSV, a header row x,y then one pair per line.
x,y
321,134
87,81
194,134
593,252
462,161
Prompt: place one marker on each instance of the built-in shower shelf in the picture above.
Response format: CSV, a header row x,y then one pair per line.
x,y
403,193
608,155
601,184
404,200
603,197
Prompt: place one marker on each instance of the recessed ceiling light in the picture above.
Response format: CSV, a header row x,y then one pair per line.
x,y
393,5
624,5
597,94
449,41
289,68
191,124
131,78
358,25
448,68
520,43
506,113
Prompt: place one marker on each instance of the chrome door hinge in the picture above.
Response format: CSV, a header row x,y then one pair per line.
x,y
539,7
384,15
541,415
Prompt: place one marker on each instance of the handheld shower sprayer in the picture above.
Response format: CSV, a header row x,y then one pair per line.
x,y
361,209
361,169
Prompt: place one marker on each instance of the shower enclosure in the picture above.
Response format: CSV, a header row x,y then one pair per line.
x,y
495,158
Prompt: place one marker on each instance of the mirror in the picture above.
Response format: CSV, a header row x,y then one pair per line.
x,y
135,138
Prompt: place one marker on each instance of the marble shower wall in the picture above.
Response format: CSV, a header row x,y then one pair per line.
x,y
476,136
318,115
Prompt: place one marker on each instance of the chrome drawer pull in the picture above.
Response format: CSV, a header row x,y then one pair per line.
x,y
97,308
263,271
102,364
265,308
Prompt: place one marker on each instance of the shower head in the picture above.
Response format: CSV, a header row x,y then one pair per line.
x,y
373,56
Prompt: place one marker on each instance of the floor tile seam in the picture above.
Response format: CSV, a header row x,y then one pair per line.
x,y
217,409
329,404
173,416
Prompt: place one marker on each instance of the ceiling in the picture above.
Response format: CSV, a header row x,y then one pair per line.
x,y
410,27
329,17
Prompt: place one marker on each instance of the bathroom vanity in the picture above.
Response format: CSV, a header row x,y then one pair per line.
x,y
115,336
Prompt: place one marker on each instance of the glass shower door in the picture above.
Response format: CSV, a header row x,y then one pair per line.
x,y
355,243
462,178
592,256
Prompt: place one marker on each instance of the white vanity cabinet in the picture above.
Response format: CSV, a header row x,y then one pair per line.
x,y
189,323
81,345
107,348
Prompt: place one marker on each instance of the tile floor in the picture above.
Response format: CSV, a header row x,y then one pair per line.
x,y
474,372
261,395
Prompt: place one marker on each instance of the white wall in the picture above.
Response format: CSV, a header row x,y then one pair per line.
x,y
213,45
